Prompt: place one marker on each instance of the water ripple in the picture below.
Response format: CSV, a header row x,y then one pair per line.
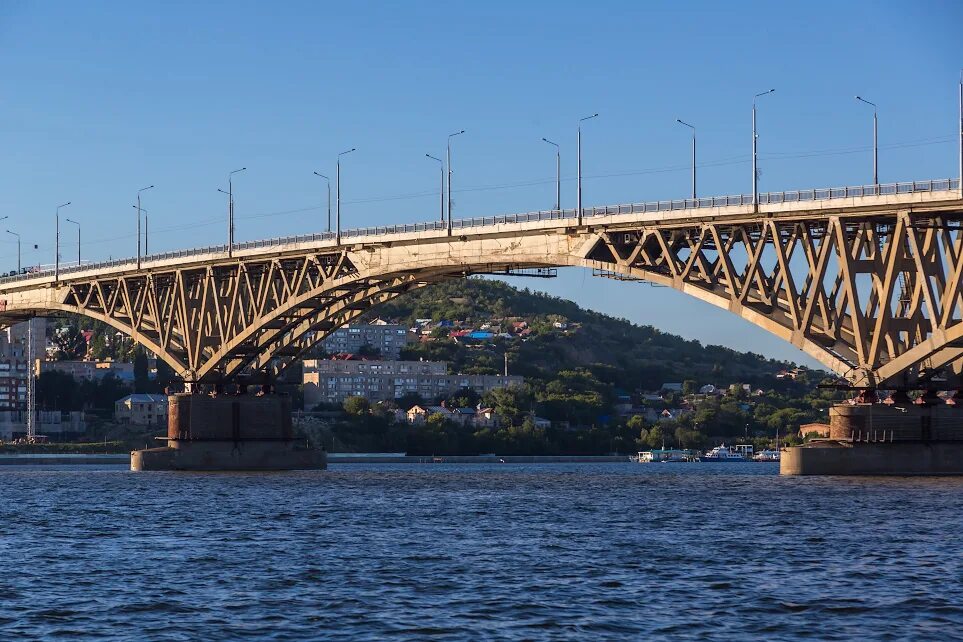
x,y
444,552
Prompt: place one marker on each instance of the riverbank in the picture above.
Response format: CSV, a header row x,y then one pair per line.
x,y
61,459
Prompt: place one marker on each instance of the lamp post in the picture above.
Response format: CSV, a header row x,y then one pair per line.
x,y
558,174
441,200
692,127
755,160
875,140
70,220
230,211
450,136
57,244
139,210
338,188
580,120
18,249
329,196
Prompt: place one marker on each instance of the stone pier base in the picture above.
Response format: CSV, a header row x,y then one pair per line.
x,y
880,439
897,458
229,433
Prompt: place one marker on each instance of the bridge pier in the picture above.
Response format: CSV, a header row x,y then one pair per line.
x,y
229,432
913,438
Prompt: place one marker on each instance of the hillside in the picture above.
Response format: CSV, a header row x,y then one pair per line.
x,y
617,351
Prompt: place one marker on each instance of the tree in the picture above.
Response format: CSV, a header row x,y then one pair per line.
x,y
689,387
141,371
369,351
357,406
71,343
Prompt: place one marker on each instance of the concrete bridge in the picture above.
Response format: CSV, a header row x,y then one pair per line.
x,y
867,279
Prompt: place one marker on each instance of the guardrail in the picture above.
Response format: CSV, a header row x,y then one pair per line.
x,y
765,198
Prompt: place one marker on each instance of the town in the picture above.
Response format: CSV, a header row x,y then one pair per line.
x,y
439,375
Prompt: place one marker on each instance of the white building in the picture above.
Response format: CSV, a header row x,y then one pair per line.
x,y
332,381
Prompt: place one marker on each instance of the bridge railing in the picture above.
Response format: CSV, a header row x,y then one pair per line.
x,y
794,196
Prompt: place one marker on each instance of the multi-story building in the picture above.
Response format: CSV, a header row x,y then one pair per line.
x,y
49,423
332,381
14,363
88,370
142,410
387,338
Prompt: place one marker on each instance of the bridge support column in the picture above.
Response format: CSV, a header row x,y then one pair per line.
x,y
225,432
884,439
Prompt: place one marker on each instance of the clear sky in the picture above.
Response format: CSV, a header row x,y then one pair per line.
x,y
100,99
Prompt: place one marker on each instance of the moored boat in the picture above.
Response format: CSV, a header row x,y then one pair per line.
x,y
722,454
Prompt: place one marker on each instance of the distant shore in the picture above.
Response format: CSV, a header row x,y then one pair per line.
x,y
60,459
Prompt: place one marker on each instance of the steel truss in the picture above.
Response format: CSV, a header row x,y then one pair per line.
x,y
877,298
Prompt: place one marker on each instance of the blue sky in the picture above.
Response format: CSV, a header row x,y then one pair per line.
x,y
102,98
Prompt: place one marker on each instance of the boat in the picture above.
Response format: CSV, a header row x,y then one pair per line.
x,y
766,455
722,454
663,455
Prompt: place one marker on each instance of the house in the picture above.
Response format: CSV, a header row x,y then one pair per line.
x,y
142,410
671,387
416,415
481,335
464,416
541,422
485,418
561,325
708,389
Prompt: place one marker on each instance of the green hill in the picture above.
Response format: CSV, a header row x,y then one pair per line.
x,y
617,351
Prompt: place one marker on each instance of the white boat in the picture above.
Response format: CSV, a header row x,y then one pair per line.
x,y
665,455
766,455
722,454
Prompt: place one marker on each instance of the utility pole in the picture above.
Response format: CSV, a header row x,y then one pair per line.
x,y
558,174
338,197
875,140
57,245
450,136
755,161
18,249
139,210
329,197
579,188
31,384
678,120
69,220
230,211
442,188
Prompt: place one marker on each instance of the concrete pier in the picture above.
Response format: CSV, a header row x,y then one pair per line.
x,y
879,439
229,433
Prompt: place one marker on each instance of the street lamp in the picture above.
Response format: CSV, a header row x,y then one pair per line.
x,y
875,140
329,196
441,163
139,210
755,171
338,188
230,211
18,248
558,174
57,245
580,120
70,220
692,127
450,136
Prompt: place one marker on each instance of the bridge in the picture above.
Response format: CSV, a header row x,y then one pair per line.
x,y
865,279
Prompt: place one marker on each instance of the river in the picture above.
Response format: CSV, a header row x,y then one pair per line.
x,y
468,552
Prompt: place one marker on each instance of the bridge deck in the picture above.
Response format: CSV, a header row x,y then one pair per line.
x,y
917,195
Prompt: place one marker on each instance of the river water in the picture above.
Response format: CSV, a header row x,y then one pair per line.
x,y
448,552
